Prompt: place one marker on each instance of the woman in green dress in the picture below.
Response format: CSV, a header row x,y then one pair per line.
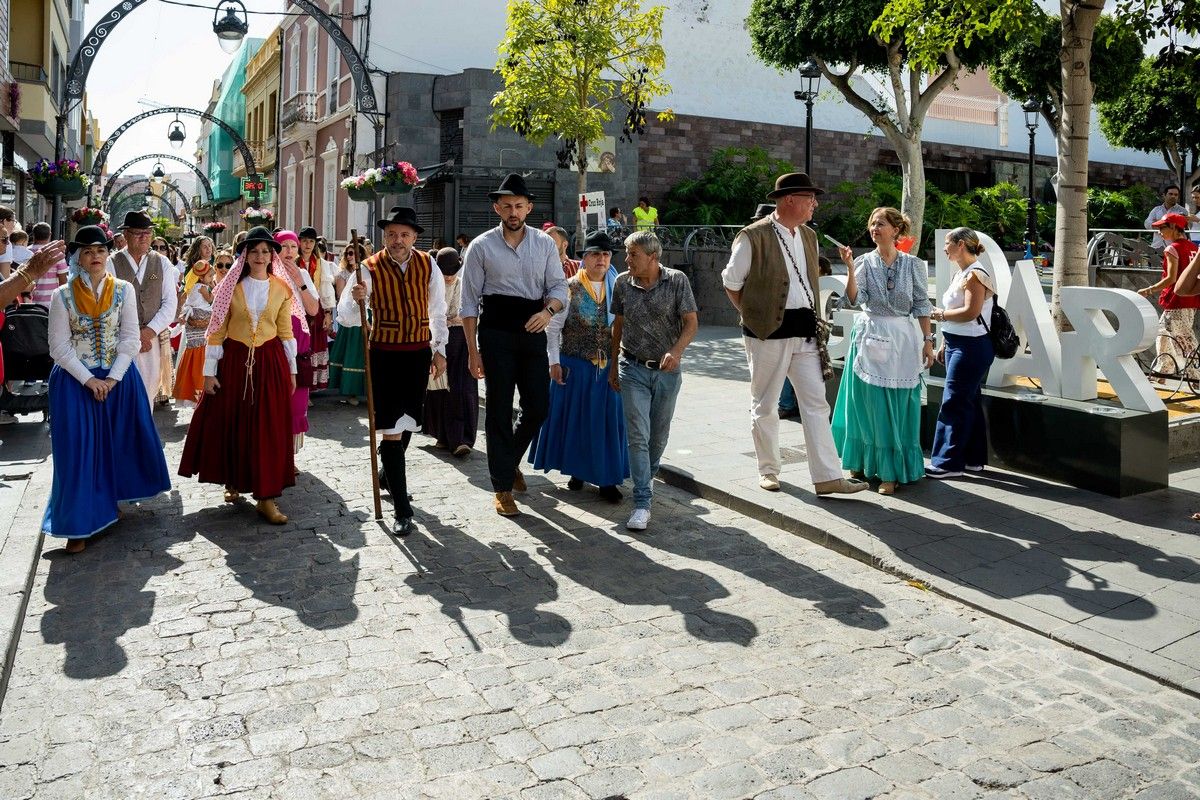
x,y
877,418
347,365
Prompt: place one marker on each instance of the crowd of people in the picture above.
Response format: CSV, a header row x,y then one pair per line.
x,y
591,357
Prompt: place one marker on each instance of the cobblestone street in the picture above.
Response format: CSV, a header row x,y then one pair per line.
x,y
193,652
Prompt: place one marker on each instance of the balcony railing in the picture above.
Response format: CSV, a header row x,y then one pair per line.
x,y
299,108
28,73
257,150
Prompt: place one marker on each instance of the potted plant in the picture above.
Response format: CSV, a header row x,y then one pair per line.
x,y
397,178
89,215
214,227
258,216
61,178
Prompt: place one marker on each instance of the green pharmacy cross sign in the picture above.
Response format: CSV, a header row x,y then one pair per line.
x,y
252,186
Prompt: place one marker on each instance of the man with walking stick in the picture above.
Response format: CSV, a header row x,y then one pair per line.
x,y
407,342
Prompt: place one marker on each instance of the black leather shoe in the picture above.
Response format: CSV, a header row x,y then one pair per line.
x,y
611,493
785,413
405,526
574,484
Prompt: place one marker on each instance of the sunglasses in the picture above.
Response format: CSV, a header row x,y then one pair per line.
x,y
224,264
158,247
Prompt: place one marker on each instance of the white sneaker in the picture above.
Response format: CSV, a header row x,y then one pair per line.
x,y
769,482
639,519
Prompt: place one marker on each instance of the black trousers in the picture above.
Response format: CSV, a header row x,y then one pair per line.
x,y
512,361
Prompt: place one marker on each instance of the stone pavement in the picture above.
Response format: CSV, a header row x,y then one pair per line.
x,y
193,653
1119,578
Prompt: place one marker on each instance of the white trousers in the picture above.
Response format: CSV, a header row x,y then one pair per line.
x,y
149,366
771,361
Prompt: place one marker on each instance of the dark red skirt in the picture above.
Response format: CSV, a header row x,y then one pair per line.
x,y
241,437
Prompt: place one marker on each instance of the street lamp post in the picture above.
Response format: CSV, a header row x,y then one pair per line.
x,y
810,73
1032,109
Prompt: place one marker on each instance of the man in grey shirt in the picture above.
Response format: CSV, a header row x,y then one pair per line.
x,y
1170,205
513,285
655,320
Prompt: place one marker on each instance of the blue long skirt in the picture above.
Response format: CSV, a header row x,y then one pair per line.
x,y
584,433
103,453
877,431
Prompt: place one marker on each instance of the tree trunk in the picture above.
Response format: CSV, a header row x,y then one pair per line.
x,y
912,201
1070,229
581,234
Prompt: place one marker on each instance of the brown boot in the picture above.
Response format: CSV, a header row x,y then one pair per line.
x,y
519,482
505,505
270,512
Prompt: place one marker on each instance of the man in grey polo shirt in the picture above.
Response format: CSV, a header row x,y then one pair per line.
x,y
655,321
513,285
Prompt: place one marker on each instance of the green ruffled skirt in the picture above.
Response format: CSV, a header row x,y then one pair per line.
x,y
878,431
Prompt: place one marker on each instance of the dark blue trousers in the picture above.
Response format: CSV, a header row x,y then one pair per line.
x,y
961,436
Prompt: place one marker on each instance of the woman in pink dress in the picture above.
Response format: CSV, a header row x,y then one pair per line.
x,y
289,255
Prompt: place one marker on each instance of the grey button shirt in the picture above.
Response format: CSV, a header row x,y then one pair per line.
x,y
653,318
532,270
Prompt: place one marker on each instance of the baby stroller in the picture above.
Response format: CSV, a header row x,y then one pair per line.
x,y
25,337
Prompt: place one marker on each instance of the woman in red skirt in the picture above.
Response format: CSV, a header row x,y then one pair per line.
x,y
241,435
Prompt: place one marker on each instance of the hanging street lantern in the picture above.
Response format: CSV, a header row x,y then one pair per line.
x,y
230,29
177,134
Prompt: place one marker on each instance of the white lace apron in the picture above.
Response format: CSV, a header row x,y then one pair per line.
x,y
888,351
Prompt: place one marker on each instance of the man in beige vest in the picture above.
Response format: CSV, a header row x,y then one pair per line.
x,y
772,280
156,282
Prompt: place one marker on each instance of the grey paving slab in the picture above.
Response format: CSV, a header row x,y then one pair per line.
x,y
1089,569
195,653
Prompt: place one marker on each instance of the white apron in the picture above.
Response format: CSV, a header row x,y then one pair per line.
x,y
888,351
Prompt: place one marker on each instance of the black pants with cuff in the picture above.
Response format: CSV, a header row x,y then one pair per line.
x,y
513,361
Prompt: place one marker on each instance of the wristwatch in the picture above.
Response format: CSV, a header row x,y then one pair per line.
x,y
550,310
929,337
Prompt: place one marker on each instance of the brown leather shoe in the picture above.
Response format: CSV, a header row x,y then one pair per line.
x,y
840,486
270,512
505,505
519,482
231,496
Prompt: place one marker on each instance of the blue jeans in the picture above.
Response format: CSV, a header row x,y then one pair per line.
x,y
787,397
960,439
648,396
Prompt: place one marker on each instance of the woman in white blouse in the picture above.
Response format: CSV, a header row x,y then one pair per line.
x,y
104,444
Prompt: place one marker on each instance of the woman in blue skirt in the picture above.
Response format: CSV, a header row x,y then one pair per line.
x,y
877,418
104,445
584,433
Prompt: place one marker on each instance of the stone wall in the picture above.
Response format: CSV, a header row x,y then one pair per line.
x,y
672,151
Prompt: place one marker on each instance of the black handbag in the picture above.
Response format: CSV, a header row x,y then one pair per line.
x,y
1004,337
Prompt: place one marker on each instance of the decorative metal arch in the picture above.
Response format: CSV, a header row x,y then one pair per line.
x,y
187,207
112,179
81,64
243,148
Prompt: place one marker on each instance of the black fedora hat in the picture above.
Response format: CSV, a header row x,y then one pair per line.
x,y
401,215
599,242
308,232
512,185
793,183
255,235
87,236
449,261
137,220
763,210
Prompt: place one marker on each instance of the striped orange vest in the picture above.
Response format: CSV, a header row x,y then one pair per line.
x,y
400,300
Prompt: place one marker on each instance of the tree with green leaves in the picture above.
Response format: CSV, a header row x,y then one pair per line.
x,y
1028,67
729,190
972,18
567,64
1155,104
848,36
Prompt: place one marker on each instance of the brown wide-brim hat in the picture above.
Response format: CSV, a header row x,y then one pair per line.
x,y
137,220
793,183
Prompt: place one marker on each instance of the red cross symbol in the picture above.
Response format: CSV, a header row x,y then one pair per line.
x,y
583,203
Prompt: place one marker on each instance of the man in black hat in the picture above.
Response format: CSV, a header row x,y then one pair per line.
x,y
407,297
155,281
513,285
772,280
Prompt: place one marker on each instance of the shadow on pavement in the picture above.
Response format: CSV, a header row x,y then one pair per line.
x,y
612,567
98,596
299,565
461,572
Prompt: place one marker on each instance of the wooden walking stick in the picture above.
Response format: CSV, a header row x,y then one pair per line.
x,y
362,312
